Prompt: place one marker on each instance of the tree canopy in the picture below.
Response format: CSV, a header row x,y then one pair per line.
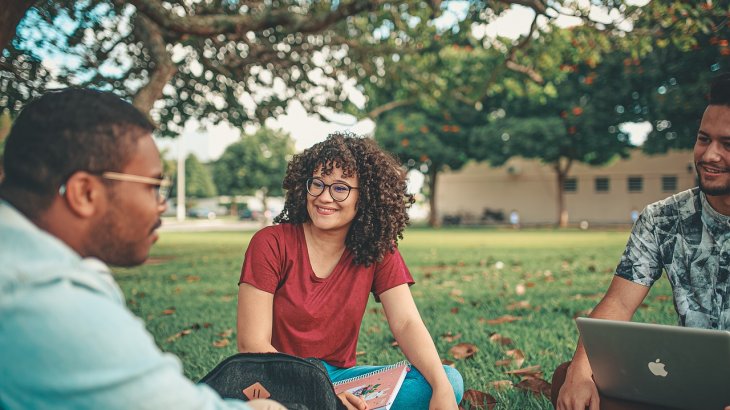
x,y
241,62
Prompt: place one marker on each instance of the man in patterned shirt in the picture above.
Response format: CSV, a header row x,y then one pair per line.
x,y
687,235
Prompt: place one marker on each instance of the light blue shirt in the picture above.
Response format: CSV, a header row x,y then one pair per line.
x,y
67,340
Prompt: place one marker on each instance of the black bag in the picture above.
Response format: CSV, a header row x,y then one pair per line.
x,y
296,383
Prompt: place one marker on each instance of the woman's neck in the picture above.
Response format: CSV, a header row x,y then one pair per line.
x,y
331,241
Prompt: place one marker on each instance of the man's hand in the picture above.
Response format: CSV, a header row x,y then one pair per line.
x,y
352,402
261,404
578,392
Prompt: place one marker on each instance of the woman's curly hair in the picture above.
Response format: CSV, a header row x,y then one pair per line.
x,y
383,201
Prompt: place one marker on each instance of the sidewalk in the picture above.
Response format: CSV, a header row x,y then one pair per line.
x,y
171,224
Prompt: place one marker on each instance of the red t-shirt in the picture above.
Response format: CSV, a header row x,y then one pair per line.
x,y
315,317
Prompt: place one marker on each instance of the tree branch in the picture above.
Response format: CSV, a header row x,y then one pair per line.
x,y
12,11
163,67
208,25
389,106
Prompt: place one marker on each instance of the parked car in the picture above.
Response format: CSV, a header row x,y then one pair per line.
x,y
247,214
203,213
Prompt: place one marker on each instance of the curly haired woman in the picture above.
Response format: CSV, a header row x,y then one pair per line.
x,y
306,281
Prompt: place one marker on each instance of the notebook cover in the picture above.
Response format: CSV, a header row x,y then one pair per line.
x,y
378,388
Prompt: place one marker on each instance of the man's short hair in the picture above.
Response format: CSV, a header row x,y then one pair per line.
x,y
720,90
66,131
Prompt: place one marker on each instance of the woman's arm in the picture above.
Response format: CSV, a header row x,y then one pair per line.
x,y
255,318
415,341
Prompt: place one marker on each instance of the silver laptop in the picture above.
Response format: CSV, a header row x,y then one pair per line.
x,y
656,364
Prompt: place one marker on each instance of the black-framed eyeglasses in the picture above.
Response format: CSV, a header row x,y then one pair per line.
x,y
162,185
339,191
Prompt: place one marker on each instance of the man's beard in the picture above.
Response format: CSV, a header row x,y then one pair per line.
x,y
111,241
712,191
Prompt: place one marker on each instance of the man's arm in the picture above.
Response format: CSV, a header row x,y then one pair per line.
x,y
620,302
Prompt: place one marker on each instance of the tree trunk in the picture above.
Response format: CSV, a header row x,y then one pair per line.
x,y
561,172
11,12
433,220
265,217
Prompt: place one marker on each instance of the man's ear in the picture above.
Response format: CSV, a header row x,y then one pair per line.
x,y
84,194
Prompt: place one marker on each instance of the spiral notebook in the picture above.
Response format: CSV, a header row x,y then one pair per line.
x,y
377,388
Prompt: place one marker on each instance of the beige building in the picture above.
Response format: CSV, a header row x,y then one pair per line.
x,y
608,194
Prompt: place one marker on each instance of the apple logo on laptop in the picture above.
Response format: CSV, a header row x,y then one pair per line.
x,y
657,368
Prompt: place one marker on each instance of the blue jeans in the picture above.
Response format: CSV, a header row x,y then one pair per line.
x,y
414,394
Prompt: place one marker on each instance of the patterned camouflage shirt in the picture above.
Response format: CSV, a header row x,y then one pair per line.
x,y
684,236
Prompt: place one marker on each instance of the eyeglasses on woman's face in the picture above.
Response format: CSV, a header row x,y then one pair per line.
x,y
339,191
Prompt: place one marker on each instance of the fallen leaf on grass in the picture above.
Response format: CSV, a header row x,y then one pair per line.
x,y
221,343
517,356
360,353
454,310
522,304
449,337
500,320
536,386
500,384
169,311
478,400
178,335
520,289
226,333
529,371
663,297
497,338
192,278
463,351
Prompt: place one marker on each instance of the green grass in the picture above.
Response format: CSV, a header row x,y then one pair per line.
x,y
191,283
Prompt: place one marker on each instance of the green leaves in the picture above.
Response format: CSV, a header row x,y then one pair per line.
x,y
256,162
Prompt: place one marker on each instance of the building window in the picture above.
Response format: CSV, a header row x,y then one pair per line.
x,y
570,185
636,184
602,184
669,183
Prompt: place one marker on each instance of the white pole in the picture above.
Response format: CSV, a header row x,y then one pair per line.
x,y
180,179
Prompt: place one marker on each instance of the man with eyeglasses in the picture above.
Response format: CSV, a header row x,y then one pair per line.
x,y
83,188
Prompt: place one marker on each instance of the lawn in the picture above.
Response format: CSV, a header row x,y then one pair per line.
x,y
472,286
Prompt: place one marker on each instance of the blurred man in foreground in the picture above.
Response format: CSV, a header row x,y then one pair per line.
x,y
83,188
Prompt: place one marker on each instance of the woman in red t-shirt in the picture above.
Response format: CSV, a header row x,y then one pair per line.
x,y
305,282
